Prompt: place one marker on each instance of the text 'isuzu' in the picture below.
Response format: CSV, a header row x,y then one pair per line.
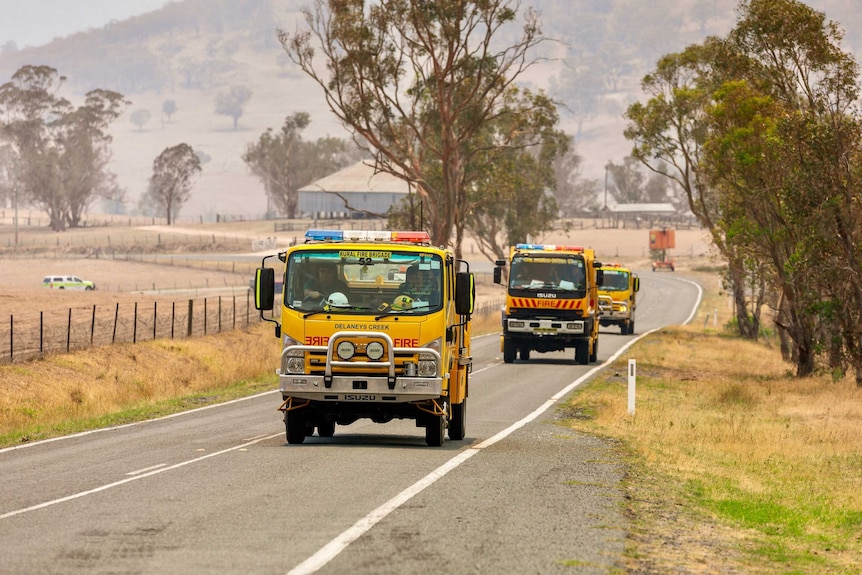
x,y
551,301
374,324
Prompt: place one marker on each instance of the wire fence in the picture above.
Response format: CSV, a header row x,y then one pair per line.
x,y
31,335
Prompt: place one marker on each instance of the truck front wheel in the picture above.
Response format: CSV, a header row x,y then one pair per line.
x,y
582,352
458,421
435,430
294,425
508,351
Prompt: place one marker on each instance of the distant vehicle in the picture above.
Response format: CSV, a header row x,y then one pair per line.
x,y
68,282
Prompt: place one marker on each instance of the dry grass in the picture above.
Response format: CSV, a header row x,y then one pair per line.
x,y
115,383
762,468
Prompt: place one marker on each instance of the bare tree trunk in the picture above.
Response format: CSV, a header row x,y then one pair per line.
x,y
744,321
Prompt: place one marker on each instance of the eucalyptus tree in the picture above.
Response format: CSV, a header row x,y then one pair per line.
x,y
670,130
62,152
285,162
171,183
785,144
231,102
416,82
761,131
512,186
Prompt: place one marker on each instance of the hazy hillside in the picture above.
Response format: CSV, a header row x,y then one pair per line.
x,y
191,50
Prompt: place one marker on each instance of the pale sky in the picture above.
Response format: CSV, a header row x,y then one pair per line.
x,y
37,22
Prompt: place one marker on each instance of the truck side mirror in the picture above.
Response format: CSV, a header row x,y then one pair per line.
x,y
637,284
465,293
600,278
498,275
264,288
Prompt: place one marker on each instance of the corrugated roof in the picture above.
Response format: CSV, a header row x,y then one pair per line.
x,y
359,177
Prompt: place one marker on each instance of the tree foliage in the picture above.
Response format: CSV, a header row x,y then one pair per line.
x,y
140,117
418,83
762,129
285,162
61,152
169,108
232,102
171,182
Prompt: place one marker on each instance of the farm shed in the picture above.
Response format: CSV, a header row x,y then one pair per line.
x,y
358,186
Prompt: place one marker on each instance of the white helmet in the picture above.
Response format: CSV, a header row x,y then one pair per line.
x,y
336,300
402,302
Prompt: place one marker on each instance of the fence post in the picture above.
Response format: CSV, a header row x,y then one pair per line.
x,y
155,317
41,333
191,315
116,317
135,325
69,331
93,325
632,381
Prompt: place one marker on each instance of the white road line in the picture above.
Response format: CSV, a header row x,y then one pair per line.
x,y
115,427
329,551
145,469
130,479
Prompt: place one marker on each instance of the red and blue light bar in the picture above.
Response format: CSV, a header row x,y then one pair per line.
x,y
548,248
367,236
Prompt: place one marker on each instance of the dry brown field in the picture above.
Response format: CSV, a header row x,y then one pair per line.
x,y
183,267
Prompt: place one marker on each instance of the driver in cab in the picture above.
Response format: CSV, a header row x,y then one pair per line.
x,y
327,282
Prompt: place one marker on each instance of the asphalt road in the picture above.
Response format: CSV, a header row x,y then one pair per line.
x,y
218,490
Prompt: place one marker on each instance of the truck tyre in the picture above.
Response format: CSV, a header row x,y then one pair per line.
x,y
294,425
594,357
632,327
508,351
458,422
525,353
435,430
582,352
624,327
326,429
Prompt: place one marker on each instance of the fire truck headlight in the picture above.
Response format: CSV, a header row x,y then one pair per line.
x,y
516,324
345,350
427,368
572,326
374,350
293,365
623,307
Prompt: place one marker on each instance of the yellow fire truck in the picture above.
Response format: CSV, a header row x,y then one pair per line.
x,y
551,301
617,302
374,324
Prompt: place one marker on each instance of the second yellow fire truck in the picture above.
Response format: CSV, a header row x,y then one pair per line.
x,y
551,301
375,325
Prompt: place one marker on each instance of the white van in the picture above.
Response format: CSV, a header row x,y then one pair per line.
x,y
67,282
